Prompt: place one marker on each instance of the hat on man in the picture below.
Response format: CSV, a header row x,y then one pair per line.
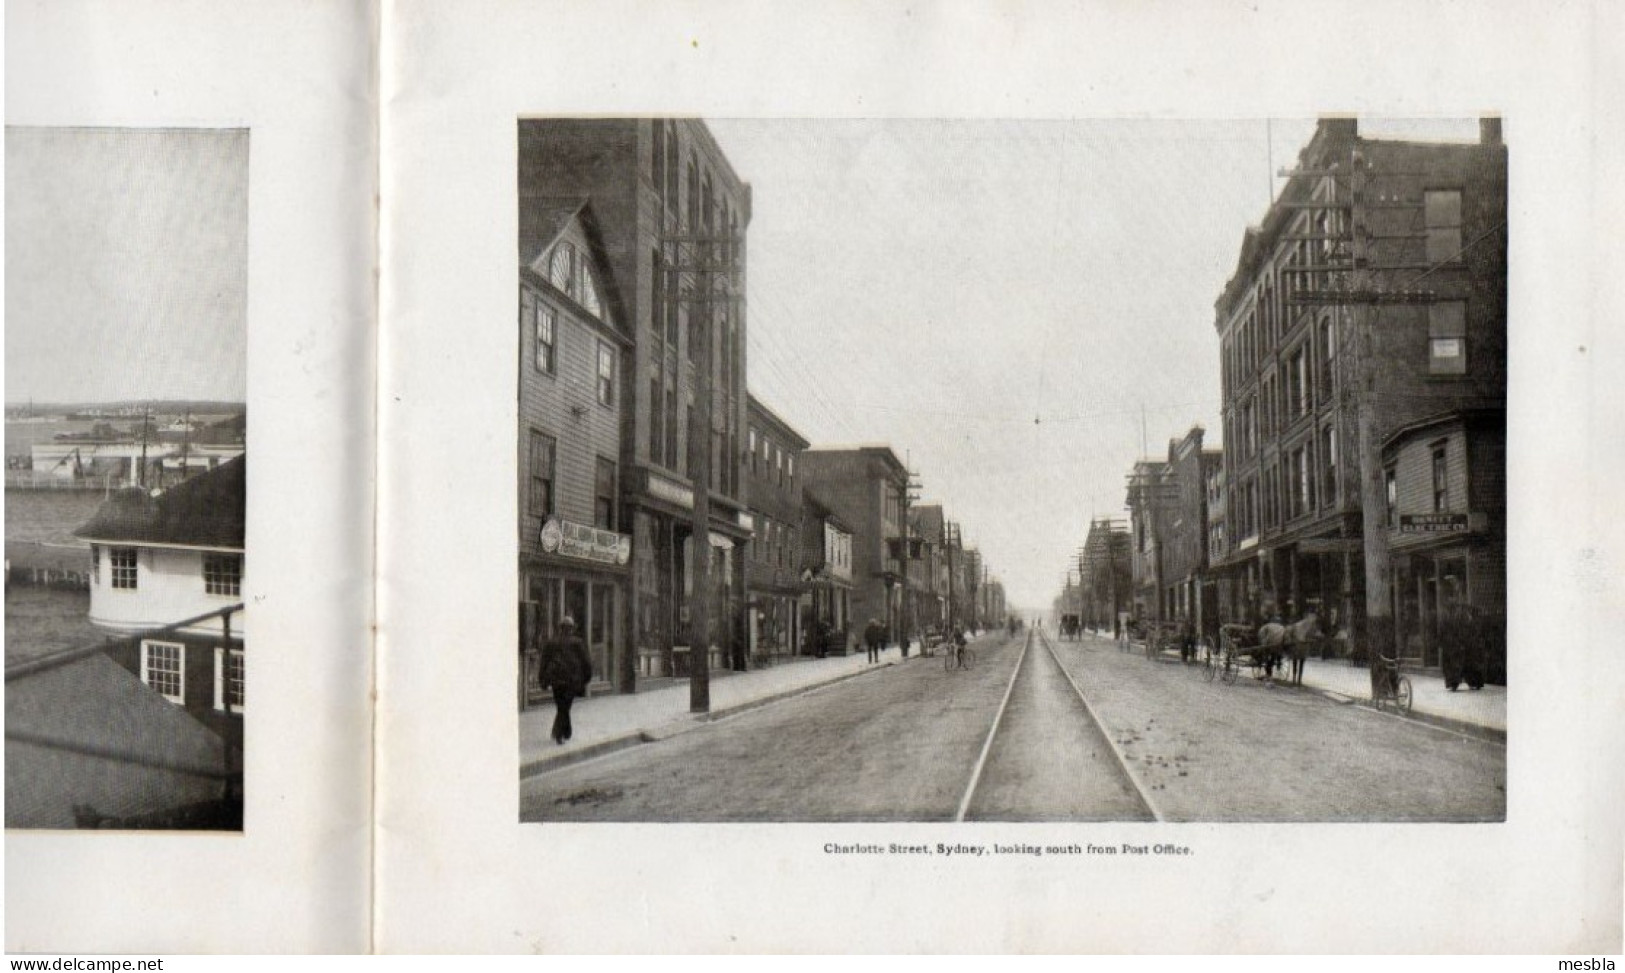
x,y
567,622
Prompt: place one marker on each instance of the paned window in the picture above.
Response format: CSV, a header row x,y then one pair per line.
x,y
750,445
1442,212
163,668
1441,481
229,671
223,574
657,415
606,374
546,338
121,561
1447,338
541,473
95,564
604,494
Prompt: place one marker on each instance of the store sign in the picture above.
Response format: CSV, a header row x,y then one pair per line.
x,y
566,539
747,521
664,489
1434,524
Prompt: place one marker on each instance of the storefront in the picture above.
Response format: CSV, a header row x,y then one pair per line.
x,y
579,572
663,533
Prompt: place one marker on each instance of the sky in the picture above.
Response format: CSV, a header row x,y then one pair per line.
x,y
1021,309
126,264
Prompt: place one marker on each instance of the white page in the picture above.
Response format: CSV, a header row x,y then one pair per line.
x,y
298,78
458,873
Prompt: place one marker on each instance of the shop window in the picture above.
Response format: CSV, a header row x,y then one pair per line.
x,y
163,668
1447,338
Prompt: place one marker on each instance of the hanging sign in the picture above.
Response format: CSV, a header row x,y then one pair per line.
x,y
585,543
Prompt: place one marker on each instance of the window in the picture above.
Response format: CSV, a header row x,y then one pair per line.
x,y
1442,213
228,679
1328,350
606,374
561,271
541,474
1328,466
789,467
1441,480
1447,338
121,561
546,338
163,668
1390,486
586,292
671,423
604,495
657,436
750,444
95,564
1298,381
222,574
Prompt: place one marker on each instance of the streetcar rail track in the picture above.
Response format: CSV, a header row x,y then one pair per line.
x,y
1123,765
992,731
1111,742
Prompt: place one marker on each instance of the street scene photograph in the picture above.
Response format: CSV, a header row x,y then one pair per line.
x,y
125,356
989,470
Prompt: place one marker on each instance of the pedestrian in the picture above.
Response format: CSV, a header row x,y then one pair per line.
x,y
566,669
873,638
902,640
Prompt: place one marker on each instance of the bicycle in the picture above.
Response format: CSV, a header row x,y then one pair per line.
x,y
1388,685
964,658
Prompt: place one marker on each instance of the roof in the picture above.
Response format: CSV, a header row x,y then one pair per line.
x,y
90,734
542,220
1473,416
822,511
205,511
755,404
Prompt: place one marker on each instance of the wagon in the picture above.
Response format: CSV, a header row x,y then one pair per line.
x,y
1238,647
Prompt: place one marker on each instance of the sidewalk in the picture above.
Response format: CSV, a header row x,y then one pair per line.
x,y
1482,711
603,724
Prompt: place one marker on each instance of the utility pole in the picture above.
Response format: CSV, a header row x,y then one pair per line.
x,y
706,258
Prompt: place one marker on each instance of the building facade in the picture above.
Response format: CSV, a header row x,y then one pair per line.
x,y
1445,480
573,551
774,585
827,566
1373,295
672,215
166,573
865,487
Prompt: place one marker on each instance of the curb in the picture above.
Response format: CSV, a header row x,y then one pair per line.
x,y
676,727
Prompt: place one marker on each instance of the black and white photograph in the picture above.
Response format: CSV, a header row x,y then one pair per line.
x,y
125,358
995,470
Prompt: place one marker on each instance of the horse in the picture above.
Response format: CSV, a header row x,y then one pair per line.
x,y
1287,643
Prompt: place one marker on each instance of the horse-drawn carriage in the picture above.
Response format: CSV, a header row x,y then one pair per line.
x,y
1263,649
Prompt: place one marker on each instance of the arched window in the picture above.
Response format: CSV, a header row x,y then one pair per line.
x,y
561,268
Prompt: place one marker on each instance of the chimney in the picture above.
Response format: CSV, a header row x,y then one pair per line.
x,y
1489,130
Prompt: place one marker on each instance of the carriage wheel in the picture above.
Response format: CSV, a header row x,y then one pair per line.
x,y
1209,668
1230,671
1402,695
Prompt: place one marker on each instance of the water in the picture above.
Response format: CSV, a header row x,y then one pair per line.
x,y
41,620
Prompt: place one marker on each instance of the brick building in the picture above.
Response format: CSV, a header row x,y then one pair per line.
x,y
671,214
773,569
1372,296
865,486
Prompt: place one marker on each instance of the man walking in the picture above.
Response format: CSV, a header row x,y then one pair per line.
x,y
566,669
873,637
